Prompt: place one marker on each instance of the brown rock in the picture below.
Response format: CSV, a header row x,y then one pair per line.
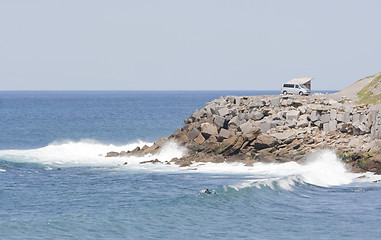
x,y
199,139
182,139
264,141
112,154
208,130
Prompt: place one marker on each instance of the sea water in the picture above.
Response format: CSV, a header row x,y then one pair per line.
x,y
55,182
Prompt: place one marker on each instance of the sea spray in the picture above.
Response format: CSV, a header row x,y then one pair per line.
x,y
67,153
322,168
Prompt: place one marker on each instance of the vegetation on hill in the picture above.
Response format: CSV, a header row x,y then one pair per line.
x,y
371,93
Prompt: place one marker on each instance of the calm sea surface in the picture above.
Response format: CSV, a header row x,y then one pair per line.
x,y
56,184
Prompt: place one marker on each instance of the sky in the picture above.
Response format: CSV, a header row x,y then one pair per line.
x,y
186,45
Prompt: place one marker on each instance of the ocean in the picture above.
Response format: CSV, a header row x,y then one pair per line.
x,y
55,182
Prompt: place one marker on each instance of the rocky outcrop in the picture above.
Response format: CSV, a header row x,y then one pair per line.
x,y
276,129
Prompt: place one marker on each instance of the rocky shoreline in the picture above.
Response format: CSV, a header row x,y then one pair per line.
x,y
281,128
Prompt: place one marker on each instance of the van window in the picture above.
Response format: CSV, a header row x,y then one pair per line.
x,y
288,85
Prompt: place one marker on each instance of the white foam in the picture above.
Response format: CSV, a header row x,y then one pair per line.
x,y
322,168
89,152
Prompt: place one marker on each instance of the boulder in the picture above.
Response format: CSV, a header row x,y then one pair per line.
x,y
256,103
199,139
332,125
223,112
226,133
275,102
220,121
264,141
208,130
283,136
346,117
340,117
266,126
112,154
197,115
292,115
302,124
326,118
256,115
247,128
333,114
356,117
315,116
234,121
193,134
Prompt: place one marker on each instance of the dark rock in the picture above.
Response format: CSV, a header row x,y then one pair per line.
x,y
151,161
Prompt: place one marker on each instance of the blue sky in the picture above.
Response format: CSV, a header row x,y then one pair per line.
x,y
186,45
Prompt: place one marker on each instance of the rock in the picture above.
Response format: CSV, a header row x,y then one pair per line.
x,y
197,115
302,109
333,114
220,121
265,126
151,161
315,116
193,134
325,118
161,141
356,118
256,115
247,128
112,154
340,117
282,136
234,121
332,125
199,139
275,102
226,133
182,139
228,144
223,112
346,117
264,141
302,124
256,103
208,129
292,115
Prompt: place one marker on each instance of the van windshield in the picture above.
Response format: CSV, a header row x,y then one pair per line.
x,y
303,86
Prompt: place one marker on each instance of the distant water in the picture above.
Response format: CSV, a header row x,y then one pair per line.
x,y
56,184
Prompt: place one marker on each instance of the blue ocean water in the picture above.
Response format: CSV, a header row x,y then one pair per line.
x,y
56,184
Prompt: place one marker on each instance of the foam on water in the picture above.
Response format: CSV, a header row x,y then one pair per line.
x,y
322,168
88,152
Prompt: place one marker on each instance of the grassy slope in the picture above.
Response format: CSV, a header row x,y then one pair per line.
x,y
368,95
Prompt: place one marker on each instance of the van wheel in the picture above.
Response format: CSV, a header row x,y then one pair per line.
x,y
284,92
300,93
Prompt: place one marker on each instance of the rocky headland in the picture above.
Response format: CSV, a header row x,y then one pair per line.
x,y
281,128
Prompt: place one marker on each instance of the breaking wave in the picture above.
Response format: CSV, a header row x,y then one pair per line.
x,y
323,168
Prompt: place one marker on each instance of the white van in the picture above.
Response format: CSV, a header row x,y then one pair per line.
x,y
291,88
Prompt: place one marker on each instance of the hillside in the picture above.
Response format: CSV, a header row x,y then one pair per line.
x,y
366,90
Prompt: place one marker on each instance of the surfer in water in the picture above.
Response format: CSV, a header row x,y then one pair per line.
x,y
207,191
